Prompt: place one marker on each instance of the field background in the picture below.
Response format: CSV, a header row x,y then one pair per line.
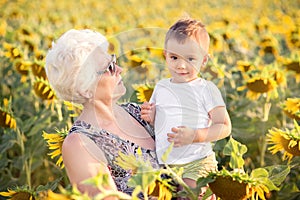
x,y
263,35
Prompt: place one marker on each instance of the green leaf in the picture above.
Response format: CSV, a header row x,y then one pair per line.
x,y
259,173
236,150
50,185
278,173
142,179
203,181
261,176
236,162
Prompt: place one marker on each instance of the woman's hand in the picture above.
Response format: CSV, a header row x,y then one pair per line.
x,y
148,112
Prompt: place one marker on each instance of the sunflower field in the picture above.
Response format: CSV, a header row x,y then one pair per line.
x,y
255,62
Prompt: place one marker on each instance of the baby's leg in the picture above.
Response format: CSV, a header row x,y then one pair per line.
x,y
190,182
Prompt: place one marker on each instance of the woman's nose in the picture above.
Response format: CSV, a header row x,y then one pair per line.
x,y
118,69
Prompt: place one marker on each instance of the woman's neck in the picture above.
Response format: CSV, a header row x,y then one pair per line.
x,y
98,113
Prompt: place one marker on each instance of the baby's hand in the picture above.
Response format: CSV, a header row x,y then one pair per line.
x,y
148,112
181,136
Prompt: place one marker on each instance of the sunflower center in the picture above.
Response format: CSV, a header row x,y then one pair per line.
x,y
260,86
227,189
292,150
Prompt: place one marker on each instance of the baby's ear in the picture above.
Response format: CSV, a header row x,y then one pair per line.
x,y
165,53
205,59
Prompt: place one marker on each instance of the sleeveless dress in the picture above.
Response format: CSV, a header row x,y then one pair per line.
x,y
111,145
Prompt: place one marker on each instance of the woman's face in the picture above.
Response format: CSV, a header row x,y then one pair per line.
x,y
110,82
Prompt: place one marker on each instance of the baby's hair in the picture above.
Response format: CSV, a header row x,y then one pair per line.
x,y
189,28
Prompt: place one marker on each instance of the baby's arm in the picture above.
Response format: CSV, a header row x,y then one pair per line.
x,y
219,129
148,112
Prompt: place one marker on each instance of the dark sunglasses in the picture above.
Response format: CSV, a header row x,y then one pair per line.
x,y
111,68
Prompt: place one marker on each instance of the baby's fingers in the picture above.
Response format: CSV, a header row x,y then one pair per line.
x,y
146,105
173,138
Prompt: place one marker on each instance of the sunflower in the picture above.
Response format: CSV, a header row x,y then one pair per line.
x,y
293,39
262,24
156,52
235,189
216,42
143,91
268,48
114,45
160,190
291,107
231,184
261,80
19,193
11,51
144,175
75,108
279,76
287,141
22,68
6,117
55,141
43,90
140,63
7,120
38,69
50,195
244,66
236,183
39,55
293,65
3,28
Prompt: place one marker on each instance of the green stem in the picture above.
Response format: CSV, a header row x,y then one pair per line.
x,y
262,150
27,163
263,142
182,183
59,111
266,111
28,171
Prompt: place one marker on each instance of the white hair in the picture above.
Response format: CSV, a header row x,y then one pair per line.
x,y
67,66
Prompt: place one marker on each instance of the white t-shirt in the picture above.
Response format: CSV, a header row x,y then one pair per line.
x,y
183,104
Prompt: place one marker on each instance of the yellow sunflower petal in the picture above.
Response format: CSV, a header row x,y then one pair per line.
x,y
8,194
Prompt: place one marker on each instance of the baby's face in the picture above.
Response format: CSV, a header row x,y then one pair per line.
x,y
184,60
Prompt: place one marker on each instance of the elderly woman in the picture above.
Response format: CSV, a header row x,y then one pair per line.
x,y
81,71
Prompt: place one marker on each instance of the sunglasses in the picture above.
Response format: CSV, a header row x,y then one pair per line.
x,y
111,68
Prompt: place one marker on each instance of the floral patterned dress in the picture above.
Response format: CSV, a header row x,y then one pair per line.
x,y
111,145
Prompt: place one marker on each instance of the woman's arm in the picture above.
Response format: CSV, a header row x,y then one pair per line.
x,y
83,160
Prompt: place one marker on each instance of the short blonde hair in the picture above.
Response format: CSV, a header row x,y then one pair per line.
x,y
67,63
189,28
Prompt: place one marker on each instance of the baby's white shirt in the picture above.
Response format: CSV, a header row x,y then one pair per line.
x,y
183,104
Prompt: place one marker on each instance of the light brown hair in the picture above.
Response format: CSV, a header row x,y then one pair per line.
x,y
189,28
